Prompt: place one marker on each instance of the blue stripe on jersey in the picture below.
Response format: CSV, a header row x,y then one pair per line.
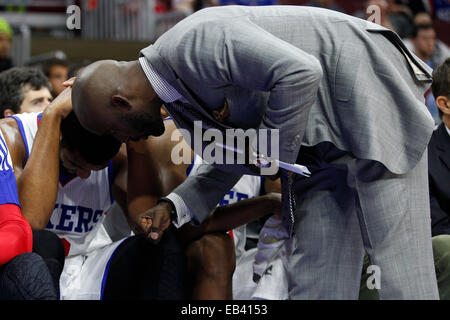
x,y
22,132
110,179
189,169
64,179
39,116
262,189
8,186
108,265
168,118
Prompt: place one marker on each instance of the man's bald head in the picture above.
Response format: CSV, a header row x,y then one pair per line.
x,y
112,97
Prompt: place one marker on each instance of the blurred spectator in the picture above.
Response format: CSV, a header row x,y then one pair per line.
x,y
440,52
394,16
432,52
6,35
424,42
439,154
57,71
183,5
23,90
327,4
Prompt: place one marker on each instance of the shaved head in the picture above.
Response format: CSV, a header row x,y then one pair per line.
x,y
115,98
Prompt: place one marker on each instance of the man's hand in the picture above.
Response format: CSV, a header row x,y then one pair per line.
x,y
275,201
155,221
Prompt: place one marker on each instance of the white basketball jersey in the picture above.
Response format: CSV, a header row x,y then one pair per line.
x,y
247,187
81,204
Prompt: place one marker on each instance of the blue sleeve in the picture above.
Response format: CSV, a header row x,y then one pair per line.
x,y
8,186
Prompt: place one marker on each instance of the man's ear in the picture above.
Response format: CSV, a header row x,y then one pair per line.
x,y
443,104
8,112
120,102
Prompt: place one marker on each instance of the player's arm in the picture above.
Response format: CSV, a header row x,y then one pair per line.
x,y
151,175
38,182
119,185
228,217
231,216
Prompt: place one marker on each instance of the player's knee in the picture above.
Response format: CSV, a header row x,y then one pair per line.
x,y
213,256
16,238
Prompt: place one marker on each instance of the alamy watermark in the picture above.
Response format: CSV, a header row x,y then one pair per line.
x,y
374,280
73,20
256,148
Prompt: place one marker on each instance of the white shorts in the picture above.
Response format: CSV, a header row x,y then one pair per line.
x,y
84,276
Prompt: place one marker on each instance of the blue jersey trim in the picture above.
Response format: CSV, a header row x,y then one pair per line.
x,y
168,118
189,169
8,185
108,265
110,180
65,179
22,132
262,189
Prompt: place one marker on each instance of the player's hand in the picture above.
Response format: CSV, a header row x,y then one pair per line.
x,y
155,221
61,106
69,82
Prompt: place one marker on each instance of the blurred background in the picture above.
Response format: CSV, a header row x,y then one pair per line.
x,y
36,33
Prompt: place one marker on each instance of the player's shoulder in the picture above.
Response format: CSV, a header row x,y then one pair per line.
x,y
9,128
13,138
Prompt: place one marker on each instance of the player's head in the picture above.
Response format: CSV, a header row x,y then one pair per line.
x,y
115,98
441,89
23,90
82,151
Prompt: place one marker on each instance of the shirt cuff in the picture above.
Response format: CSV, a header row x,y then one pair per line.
x,y
184,214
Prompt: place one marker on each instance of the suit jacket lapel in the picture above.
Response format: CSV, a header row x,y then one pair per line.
x,y
420,69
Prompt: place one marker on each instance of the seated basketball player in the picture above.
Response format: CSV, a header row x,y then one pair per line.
x,y
65,186
23,274
80,198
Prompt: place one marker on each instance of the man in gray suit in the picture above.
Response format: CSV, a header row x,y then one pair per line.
x,y
345,89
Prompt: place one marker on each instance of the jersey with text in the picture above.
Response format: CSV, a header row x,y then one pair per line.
x,y
81,204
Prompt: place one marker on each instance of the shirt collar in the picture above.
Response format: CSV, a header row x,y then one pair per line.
x,y
163,89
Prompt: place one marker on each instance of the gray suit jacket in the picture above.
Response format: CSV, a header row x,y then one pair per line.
x,y
314,74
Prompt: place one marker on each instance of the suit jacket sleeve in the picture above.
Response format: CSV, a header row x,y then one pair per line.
x,y
203,191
